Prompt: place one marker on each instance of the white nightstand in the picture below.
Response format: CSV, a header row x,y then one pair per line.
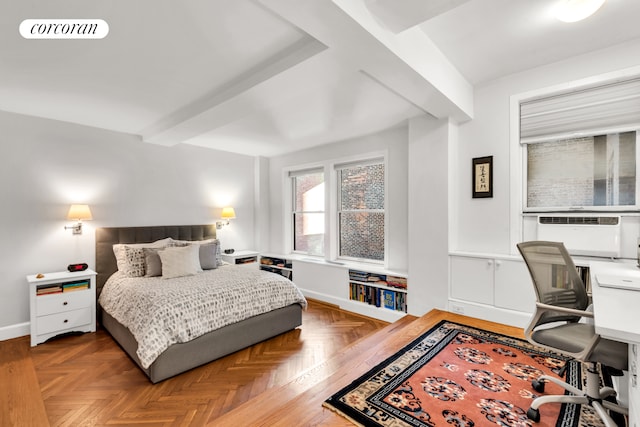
x,y
62,302
242,258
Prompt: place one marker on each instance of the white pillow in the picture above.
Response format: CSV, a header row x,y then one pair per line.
x,y
119,250
180,261
204,242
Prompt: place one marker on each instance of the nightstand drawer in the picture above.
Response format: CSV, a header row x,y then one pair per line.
x,y
49,304
62,321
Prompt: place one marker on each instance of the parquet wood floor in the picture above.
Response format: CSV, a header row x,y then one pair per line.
x,y
88,380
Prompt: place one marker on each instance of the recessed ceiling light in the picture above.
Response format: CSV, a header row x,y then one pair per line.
x,y
576,10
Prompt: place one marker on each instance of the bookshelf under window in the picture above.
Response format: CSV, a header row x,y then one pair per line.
x,y
380,290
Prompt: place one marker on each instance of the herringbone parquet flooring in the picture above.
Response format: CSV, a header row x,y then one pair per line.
x,y
87,380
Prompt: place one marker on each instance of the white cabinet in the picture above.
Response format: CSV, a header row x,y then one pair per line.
x,y
488,283
472,279
513,288
61,302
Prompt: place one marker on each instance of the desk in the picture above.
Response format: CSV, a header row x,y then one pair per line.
x,y
616,315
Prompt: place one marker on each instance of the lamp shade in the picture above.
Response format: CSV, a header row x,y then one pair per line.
x,y
228,213
79,213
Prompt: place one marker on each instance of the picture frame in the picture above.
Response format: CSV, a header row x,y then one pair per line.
x,y
482,172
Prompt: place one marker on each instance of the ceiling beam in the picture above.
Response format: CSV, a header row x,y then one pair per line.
x,y
214,108
409,63
398,16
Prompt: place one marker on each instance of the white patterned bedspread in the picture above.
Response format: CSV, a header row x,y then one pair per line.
x,y
161,312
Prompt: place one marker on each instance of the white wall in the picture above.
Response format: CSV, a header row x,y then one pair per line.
x,y
395,142
46,165
429,144
484,225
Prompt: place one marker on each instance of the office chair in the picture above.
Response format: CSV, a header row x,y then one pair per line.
x,y
561,302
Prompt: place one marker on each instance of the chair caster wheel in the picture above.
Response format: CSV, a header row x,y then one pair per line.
x,y
538,386
533,415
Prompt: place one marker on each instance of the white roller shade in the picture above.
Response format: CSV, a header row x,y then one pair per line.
x,y
359,163
302,172
613,107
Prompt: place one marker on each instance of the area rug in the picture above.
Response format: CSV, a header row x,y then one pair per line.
x,y
456,375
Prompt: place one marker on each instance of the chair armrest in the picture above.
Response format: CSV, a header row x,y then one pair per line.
x,y
541,309
572,311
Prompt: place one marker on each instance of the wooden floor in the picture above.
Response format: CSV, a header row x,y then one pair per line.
x,y
88,380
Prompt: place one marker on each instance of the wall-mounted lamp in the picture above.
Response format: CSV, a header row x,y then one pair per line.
x,y
78,213
227,214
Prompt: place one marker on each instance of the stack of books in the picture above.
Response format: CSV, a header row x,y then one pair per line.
x,y
78,285
397,281
48,290
363,276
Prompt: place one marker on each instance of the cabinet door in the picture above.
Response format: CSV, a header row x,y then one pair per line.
x,y
472,279
513,286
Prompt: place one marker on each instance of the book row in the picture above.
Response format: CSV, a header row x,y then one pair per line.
x,y
379,297
58,288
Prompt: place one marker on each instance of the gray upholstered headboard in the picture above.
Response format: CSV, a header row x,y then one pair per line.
x,y
108,236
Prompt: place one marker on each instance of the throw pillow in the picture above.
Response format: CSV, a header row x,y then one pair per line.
x,y
208,259
180,261
119,248
152,262
134,262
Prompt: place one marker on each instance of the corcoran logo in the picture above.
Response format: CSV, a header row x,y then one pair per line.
x,y
64,29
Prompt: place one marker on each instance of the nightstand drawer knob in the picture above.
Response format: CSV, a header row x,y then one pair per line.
x,y
66,320
65,303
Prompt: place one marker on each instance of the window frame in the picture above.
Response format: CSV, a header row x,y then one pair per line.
x,y
572,209
331,235
518,225
292,175
359,163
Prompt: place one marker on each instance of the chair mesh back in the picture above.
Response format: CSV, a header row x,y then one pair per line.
x,y
555,278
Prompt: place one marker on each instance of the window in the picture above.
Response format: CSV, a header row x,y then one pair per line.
x,y
308,211
582,172
361,210
581,147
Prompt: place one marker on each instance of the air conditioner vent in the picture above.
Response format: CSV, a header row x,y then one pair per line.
x,y
580,220
583,235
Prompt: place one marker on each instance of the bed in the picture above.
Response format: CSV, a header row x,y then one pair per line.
x,y
202,348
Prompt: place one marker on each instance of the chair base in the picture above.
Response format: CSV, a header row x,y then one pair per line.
x,y
593,396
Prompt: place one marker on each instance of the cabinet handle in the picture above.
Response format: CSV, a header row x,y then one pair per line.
x,y
489,262
66,321
498,263
65,303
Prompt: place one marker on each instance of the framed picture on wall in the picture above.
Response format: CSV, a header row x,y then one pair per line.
x,y
482,177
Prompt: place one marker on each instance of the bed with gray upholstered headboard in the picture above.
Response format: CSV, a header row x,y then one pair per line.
x,y
182,356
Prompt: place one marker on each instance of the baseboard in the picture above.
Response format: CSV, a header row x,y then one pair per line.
x,y
14,331
490,313
356,307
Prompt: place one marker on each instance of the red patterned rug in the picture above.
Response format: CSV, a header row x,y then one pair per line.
x,y
456,375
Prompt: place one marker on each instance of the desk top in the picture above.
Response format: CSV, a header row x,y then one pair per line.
x,y
616,311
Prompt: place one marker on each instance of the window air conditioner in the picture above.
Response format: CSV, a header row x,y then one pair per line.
x,y
583,235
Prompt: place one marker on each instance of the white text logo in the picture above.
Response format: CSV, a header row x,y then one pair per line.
x,y
64,29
